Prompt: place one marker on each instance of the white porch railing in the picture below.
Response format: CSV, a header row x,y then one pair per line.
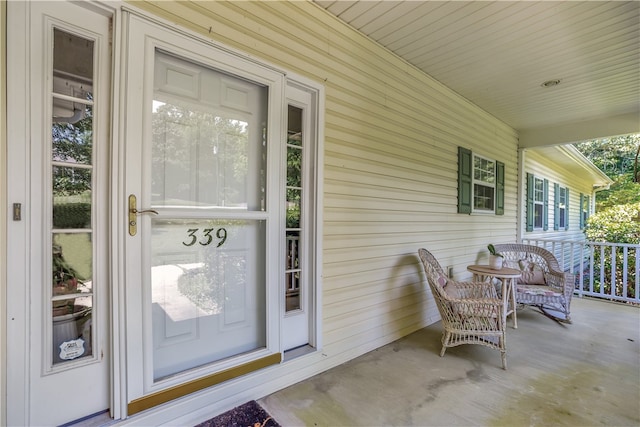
x,y
293,269
602,269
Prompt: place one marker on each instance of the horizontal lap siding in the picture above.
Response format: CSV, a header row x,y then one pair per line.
x,y
545,168
390,164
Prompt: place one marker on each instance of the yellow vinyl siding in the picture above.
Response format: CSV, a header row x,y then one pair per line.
x,y
390,164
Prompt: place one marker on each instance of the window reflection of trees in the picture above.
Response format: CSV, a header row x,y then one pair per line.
x,y
206,153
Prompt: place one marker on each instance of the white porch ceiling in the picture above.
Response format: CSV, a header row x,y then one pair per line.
x,y
498,54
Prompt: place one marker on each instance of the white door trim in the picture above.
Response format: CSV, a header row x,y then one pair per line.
x,y
17,231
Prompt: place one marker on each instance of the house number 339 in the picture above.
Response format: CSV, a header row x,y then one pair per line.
x,y
205,238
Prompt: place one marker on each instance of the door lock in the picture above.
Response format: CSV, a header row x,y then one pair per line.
x,y
133,214
17,211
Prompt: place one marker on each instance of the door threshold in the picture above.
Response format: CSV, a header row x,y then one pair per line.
x,y
99,419
297,352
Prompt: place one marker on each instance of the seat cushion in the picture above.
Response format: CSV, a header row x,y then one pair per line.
x,y
535,290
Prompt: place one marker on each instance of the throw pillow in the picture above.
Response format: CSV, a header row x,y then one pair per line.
x,y
532,274
448,286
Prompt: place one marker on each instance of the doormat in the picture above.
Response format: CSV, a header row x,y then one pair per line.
x,y
249,414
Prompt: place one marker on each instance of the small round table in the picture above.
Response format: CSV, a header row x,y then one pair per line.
x,y
508,276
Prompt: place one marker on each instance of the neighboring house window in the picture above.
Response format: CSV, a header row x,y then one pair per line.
x,y
584,210
480,183
537,203
561,207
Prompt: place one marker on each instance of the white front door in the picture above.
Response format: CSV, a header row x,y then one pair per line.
x,y
201,214
58,125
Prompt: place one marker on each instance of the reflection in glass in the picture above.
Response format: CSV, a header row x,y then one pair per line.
x,y
293,271
71,296
294,167
293,207
294,126
199,158
72,140
538,215
483,197
538,190
484,170
72,261
72,331
68,181
209,154
71,197
292,275
208,291
71,311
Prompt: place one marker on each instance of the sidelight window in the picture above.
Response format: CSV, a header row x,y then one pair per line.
x,y
72,198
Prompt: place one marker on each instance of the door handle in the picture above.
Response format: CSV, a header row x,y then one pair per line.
x,y
134,212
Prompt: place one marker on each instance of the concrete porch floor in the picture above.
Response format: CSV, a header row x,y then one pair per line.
x,y
583,374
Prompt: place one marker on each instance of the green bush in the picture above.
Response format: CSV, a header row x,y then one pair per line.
x,y
72,215
618,224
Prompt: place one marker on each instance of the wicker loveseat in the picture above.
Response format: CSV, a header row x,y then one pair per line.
x,y
471,312
542,284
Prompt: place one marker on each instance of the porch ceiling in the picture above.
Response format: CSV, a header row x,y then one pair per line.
x,y
498,54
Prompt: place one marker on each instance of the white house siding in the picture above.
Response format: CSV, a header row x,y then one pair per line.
x,y
546,167
390,164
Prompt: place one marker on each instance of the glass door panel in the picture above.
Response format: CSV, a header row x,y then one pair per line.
x,y
208,242
72,197
207,291
293,268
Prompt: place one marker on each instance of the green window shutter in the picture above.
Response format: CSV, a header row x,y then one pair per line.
x,y
499,188
580,209
529,202
545,210
566,217
556,206
465,171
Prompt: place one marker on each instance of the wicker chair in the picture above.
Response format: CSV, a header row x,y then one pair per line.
x,y
471,312
543,284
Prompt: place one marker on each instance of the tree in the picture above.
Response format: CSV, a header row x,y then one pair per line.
x,y
619,224
201,156
72,143
617,217
617,157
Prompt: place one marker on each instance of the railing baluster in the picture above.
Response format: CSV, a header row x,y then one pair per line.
x,y
581,279
637,273
582,255
591,267
625,272
602,278
614,291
